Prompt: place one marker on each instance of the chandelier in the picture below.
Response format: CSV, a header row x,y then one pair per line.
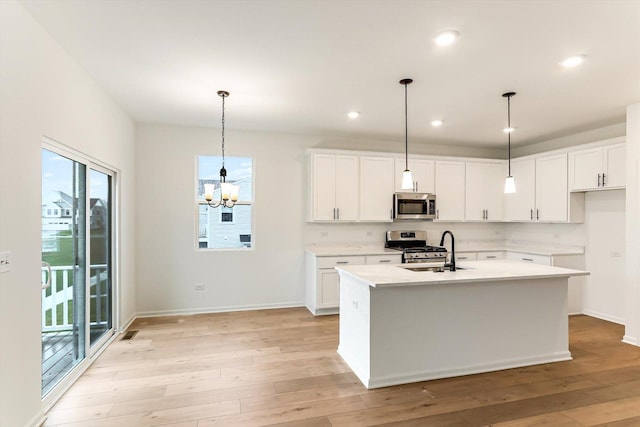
x,y
228,192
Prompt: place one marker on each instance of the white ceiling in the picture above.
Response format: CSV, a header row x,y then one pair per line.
x,y
301,65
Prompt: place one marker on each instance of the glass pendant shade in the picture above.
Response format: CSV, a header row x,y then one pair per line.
x,y
407,180
208,191
509,185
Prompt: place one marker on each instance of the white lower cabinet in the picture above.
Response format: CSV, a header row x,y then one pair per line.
x,y
322,280
567,261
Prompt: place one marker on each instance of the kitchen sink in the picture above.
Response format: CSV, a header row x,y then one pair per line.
x,y
428,268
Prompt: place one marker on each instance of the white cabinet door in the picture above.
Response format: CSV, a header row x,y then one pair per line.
x,y
520,206
586,169
347,188
324,187
424,175
328,289
376,188
551,188
484,190
614,167
335,188
449,190
422,170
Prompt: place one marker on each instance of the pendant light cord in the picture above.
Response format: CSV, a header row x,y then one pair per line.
x,y
223,97
406,131
509,134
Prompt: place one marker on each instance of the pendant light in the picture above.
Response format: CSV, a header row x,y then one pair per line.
x,y
407,178
228,192
509,183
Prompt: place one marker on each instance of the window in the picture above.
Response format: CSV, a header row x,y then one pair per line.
x,y
222,227
226,215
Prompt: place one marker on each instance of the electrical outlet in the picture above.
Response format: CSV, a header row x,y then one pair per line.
x,y
199,286
5,262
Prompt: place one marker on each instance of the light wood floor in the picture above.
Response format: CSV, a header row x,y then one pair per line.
x,y
280,367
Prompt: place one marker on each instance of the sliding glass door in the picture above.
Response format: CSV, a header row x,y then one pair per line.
x,y
77,308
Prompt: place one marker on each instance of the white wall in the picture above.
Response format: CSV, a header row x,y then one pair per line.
x,y
632,244
45,93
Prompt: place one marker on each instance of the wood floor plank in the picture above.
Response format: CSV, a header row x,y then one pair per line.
x,y
606,412
281,368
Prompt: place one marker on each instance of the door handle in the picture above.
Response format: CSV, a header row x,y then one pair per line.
x,y
47,284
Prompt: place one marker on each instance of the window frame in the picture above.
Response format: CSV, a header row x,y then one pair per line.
x,y
201,202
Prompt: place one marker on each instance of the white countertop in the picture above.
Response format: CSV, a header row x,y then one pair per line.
x,y
473,271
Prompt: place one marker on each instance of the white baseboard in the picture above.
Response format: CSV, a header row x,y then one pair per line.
x,y
205,310
128,323
604,316
628,339
37,420
411,377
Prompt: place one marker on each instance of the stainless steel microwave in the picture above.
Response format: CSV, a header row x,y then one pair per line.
x,y
414,206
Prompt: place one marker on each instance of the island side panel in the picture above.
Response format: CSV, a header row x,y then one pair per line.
x,y
354,345
436,331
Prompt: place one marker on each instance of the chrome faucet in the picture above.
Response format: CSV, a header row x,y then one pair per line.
x,y
452,265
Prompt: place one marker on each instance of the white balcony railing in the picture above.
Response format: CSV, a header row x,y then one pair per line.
x,y
61,297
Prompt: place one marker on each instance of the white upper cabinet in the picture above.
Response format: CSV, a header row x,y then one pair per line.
x,y
597,168
551,188
450,190
376,188
423,171
335,185
521,205
484,190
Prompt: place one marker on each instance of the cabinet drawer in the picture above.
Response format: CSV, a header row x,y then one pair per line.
x,y
491,255
536,259
384,259
466,256
333,261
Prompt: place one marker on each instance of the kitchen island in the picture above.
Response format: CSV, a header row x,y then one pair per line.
x,y
399,326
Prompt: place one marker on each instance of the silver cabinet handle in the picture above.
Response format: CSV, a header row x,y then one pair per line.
x,y
603,179
483,214
537,214
384,260
598,180
391,213
338,210
437,213
527,259
334,213
531,214
342,262
415,185
463,257
487,215
491,256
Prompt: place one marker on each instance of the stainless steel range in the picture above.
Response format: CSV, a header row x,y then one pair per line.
x,y
413,245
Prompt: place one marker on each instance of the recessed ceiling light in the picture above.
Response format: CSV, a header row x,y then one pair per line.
x,y
353,114
573,61
436,123
508,130
446,38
